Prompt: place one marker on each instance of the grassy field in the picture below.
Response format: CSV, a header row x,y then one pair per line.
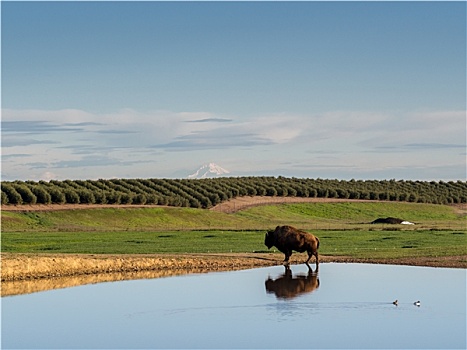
x,y
305,215
362,244
343,229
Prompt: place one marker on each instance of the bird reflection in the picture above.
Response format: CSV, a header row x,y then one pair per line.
x,y
287,287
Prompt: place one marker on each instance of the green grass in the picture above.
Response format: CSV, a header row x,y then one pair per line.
x,y
393,244
134,242
306,215
114,219
363,244
354,212
343,229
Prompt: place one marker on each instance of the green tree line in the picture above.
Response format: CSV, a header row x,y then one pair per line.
x,y
206,193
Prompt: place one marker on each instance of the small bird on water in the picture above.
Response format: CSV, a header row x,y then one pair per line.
x,y
395,302
417,303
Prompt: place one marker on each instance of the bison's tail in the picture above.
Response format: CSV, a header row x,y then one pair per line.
x,y
317,246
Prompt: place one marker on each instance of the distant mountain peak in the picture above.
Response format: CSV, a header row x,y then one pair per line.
x,y
209,170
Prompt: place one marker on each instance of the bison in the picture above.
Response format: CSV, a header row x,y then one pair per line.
x,y
288,238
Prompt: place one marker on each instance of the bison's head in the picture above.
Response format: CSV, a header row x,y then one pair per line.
x,y
269,239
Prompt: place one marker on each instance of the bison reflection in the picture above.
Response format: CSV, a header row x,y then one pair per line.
x,y
288,287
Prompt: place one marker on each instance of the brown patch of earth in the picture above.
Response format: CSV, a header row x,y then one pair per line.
x,y
29,273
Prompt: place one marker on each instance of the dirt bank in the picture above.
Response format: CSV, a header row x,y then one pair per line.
x,y
28,273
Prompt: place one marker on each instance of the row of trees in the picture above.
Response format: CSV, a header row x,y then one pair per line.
x,y
205,193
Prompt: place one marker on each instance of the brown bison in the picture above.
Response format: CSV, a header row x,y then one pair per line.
x,y
288,238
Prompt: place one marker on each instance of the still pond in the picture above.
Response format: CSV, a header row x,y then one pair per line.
x,y
341,306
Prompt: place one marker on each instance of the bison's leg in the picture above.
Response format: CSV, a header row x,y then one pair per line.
x,y
287,256
310,254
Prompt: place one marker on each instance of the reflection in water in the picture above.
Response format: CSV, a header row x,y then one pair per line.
x,y
288,287
10,288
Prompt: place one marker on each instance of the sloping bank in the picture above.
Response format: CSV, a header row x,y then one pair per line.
x,y
28,273
17,266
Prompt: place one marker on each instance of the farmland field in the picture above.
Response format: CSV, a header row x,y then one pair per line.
x,y
344,229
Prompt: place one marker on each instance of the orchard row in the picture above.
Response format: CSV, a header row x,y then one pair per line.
x,y
206,193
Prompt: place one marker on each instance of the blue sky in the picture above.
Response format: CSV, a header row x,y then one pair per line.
x,y
364,90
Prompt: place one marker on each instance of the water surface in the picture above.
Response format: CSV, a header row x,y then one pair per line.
x,y
341,306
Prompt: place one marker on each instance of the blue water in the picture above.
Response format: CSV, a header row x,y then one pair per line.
x,y
343,306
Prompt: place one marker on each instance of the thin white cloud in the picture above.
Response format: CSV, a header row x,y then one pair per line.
x,y
133,143
429,129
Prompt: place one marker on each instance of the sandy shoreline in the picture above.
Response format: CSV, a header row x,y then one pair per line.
x,y
29,273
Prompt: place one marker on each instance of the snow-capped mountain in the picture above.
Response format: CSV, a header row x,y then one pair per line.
x,y
209,170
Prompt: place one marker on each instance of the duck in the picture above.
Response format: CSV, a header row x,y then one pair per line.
x,y
417,303
395,302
